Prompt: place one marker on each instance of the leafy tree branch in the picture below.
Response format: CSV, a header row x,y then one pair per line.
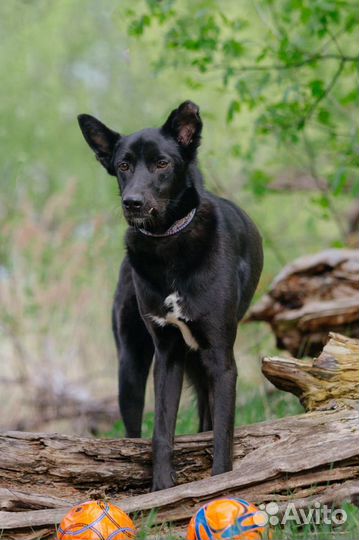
x,y
291,63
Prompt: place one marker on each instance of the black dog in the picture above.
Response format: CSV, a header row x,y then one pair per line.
x,y
193,263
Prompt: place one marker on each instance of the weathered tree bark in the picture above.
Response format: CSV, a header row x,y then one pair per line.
x,y
310,297
330,381
285,459
305,458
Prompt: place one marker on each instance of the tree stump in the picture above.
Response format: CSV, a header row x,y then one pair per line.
x,y
310,297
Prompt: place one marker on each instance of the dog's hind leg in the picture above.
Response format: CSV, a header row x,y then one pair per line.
x,y
135,353
198,378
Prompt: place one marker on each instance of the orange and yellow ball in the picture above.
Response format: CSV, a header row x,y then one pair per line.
x,y
96,520
232,519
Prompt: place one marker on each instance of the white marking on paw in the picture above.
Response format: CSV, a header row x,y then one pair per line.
x,y
172,302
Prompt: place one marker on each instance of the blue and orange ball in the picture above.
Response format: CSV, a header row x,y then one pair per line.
x,y
232,519
96,520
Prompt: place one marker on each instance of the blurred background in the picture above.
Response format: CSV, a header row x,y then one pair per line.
x,y
276,84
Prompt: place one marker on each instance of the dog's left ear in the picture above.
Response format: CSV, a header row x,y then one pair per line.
x,y
100,138
185,125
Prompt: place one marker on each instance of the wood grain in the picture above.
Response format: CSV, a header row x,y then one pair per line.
x,y
295,458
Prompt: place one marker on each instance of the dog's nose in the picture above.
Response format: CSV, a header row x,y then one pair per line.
x,y
133,203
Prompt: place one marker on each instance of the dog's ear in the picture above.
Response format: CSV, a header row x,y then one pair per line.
x,y
100,138
185,125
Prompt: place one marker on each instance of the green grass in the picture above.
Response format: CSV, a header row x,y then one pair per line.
x,y
290,531
347,531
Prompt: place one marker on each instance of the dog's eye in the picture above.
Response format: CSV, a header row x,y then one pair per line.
x,y
162,163
123,166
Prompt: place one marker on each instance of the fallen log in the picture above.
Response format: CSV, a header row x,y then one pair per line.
x,y
301,459
279,460
310,297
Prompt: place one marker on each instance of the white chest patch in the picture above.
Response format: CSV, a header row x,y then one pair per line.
x,y
176,317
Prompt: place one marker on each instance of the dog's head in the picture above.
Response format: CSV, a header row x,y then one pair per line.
x,y
151,166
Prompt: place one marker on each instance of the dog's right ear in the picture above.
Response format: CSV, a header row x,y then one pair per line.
x,y
184,124
100,138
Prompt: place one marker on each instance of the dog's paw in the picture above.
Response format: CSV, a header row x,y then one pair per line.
x,y
164,482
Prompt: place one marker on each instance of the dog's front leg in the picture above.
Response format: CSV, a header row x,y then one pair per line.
x,y
168,376
222,372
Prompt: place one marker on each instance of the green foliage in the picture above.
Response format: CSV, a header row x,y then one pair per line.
x,y
291,64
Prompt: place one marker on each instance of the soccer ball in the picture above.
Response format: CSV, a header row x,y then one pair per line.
x,y
232,519
94,520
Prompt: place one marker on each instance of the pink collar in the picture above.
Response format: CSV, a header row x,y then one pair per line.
x,y
175,228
